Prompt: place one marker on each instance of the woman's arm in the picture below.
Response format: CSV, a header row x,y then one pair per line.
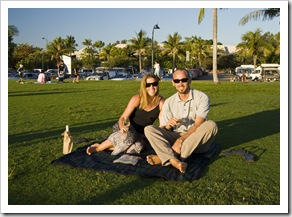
x,y
161,102
132,104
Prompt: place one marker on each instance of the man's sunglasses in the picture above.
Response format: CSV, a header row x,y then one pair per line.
x,y
180,80
154,84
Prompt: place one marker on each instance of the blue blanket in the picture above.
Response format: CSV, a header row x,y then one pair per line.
x,y
103,161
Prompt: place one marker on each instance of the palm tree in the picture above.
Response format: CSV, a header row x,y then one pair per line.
x,y
56,49
200,18
105,54
266,14
98,45
173,47
254,44
70,45
201,49
12,30
139,44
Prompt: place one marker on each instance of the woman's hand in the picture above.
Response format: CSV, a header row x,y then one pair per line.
x,y
124,129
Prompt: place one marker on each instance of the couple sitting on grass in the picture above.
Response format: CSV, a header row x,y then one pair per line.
x,y
184,128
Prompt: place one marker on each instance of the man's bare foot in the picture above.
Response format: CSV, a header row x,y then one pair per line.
x,y
181,166
153,159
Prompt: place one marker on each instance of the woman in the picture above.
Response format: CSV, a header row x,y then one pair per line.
x,y
142,110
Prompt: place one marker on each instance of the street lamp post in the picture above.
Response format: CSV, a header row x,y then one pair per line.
x,y
154,27
43,53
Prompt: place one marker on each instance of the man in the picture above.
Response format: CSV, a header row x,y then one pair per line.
x,y
20,72
184,127
61,71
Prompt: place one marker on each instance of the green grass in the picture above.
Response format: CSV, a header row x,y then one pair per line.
x,y
247,114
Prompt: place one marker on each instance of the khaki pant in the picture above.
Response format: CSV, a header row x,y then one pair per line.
x,y
162,140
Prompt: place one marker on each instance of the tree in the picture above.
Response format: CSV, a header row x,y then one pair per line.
x,y
173,47
266,14
28,55
200,18
139,44
56,49
105,54
12,31
70,45
254,44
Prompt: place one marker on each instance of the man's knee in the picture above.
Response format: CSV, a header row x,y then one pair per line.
x,y
148,130
212,126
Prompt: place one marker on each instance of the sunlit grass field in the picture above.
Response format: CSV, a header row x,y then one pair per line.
x,y
247,114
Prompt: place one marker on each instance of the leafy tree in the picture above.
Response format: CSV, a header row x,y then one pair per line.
x,y
12,31
273,54
174,47
139,44
200,18
254,44
266,14
70,45
28,55
56,49
89,56
105,55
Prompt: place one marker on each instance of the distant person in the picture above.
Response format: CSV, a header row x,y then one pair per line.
x,y
41,77
142,110
156,69
20,73
75,74
61,71
184,127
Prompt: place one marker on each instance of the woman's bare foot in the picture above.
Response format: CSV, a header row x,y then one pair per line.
x,y
181,166
153,159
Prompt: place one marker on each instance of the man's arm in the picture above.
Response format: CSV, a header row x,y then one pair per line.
x,y
178,143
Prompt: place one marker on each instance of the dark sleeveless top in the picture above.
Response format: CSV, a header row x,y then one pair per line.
x,y
141,118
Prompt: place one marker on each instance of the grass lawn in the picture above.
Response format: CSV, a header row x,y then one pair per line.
x,y
247,114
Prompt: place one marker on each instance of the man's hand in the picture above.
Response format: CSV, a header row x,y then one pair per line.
x,y
172,122
177,146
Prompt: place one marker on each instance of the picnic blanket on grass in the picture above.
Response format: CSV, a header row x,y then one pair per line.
x,y
103,161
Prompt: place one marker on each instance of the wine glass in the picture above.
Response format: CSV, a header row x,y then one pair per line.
x,y
126,121
178,121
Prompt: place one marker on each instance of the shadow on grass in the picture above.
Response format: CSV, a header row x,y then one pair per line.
x,y
49,92
28,138
119,191
237,131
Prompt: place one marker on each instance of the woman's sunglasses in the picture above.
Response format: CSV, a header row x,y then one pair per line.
x,y
154,84
180,80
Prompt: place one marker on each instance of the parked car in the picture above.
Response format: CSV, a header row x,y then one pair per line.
x,y
138,76
167,77
13,76
30,75
193,73
53,73
122,76
98,76
266,72
244,69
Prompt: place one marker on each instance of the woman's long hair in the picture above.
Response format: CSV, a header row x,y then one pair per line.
x,y
145,99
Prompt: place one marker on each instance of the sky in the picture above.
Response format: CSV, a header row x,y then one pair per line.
x,y
108,24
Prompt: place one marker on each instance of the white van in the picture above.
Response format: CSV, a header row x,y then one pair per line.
x,y
266,72
246,69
